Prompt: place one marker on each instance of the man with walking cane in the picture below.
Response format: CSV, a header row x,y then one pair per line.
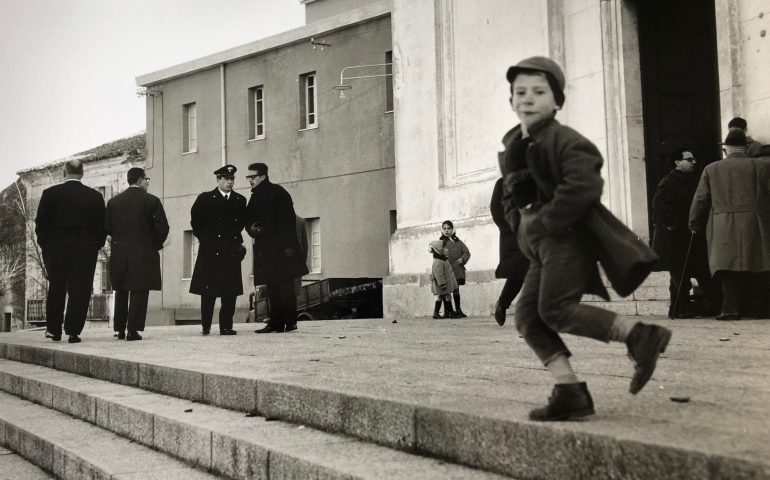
x,y
682,254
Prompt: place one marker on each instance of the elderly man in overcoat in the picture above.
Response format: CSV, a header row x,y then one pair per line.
x,y
217,221
271,221
672,240
731,205
70,231
138,227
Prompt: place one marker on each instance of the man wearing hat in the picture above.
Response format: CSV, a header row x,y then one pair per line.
x,y
271,221
217,221
138,227
753,147
731,206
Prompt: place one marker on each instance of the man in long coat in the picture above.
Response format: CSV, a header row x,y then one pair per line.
x,y
271,221
731,204
138,227
70,231
671,240
217,221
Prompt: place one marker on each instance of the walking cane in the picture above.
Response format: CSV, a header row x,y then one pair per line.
x,y
681,280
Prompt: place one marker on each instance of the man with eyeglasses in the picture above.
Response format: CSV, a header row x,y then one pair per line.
x,y
137,225
671,239
217,221
271,221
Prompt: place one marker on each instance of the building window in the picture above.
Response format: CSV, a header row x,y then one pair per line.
x,y
389,82
190,253
308,104
189,128
393,222
313,226
256,113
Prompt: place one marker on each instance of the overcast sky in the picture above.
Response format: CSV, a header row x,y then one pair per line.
x,y
68,67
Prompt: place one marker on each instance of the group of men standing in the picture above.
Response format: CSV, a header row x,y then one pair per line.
x,y
72,223
716,229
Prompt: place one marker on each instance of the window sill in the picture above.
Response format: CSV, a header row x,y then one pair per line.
x,y
250,140
191,151
186,279
314,127
388,112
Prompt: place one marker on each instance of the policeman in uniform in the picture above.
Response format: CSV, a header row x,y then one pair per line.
x,y
217,222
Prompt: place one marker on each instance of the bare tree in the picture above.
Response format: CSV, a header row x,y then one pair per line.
x,y
12,267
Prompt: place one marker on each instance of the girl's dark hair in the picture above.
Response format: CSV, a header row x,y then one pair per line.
x,y
448,222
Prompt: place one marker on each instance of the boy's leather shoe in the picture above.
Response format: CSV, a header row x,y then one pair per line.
x,y
228,331
459,314
290,328
74,339
567,402
728,316
645,343
120,335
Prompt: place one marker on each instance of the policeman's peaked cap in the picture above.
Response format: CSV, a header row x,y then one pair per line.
x,y
226,171
551,69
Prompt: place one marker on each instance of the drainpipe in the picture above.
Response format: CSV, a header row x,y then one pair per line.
x,y
222,109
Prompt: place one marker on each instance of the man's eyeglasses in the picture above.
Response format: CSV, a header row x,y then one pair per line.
x,y
689,159
146,178
252,177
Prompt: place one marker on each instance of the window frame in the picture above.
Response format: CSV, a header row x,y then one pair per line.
x,y
256,99
308,85
189,128
190,248
313,226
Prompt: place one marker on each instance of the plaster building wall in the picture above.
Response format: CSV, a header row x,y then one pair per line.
x,y
743,29
319,9
341,172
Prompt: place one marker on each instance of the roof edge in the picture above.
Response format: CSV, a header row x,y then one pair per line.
x,y
327,25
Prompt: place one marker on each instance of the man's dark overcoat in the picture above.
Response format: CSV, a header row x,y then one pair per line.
x,y
671,210
138,226
70,214
270,220
217,223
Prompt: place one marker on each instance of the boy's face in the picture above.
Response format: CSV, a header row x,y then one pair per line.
x,y
532,98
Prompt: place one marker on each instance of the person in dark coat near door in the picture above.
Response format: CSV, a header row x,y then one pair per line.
x,y
217,221
70,231
271,221
513,264
671,239
138,227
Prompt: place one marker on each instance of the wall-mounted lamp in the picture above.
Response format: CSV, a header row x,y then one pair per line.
x,y
148,92
343,86
319,43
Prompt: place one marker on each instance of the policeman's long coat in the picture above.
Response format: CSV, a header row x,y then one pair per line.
x,y
271,209
138,227
732,202
217,223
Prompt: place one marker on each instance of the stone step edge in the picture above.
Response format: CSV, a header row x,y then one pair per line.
x,y
458,437
74,461
195,442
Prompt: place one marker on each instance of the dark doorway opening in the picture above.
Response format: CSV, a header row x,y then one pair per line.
x,y
680,84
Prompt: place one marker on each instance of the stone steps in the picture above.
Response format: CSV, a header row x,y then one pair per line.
x,y
69,448
221,441
13,467
457,391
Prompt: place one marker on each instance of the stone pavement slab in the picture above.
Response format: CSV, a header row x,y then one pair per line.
x,y
465,378
13,467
